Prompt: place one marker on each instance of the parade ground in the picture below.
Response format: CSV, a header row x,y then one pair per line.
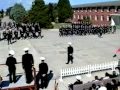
x,y
89,49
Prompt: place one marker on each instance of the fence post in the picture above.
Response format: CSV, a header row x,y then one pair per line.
x,y
113,66
61,80
89,71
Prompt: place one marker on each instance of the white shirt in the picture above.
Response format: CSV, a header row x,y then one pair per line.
x,y
102,88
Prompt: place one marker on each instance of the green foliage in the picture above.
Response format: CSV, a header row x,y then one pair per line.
x,y
17,13
64,10
8,11
1,13
25,19
52,11
39,13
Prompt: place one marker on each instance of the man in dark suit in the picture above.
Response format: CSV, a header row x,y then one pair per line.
x,y
27,63
42,74
70,53
10,62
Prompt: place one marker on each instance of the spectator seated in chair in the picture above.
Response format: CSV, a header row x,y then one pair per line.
x,y
78,81
114,84
107,76
96,79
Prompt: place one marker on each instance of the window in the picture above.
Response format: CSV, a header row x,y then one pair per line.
x,y
74,16
86,10
102,10
102,18
96,18
108,9
82,10
107,18
116,10
90,10
81,16
78,17
90,17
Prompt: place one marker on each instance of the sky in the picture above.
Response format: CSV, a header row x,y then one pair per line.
x,y
4,4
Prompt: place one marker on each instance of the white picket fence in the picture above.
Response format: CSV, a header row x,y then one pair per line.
x,y
88,69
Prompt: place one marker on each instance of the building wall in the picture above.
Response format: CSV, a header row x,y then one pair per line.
x,y
98,16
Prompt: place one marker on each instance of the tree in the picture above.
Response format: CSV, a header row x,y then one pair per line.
x,y
64,10
38,13
17,13
2,13
52,11
8,11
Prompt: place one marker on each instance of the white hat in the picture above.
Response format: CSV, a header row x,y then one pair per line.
x,y
26,49
42,58
78,77
69,43
12,52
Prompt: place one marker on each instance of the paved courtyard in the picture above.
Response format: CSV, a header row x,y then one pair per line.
x,y
88,49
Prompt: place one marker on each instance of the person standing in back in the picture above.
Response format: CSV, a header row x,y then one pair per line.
x,y
28,63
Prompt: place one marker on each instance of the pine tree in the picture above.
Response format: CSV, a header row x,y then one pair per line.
x,y
17,13
38,13
52,11
64,10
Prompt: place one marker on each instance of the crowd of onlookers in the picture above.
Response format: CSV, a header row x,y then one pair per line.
x,y
12,32
108,82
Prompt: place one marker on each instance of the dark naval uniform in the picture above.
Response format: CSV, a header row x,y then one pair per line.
x,y
70,54
42,74
27,62
10,62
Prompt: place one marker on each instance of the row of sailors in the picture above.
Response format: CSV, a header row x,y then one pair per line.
x,y
86,30
21,32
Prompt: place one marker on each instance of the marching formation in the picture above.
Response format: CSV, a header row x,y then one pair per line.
x,y
83,29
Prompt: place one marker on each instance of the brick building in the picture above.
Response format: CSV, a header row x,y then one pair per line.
x,y
99,13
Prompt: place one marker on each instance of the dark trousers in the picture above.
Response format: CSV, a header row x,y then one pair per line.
x,y
43,80
9,41
12,75
29,76
70,58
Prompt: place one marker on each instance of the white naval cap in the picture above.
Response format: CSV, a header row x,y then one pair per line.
x,y
69,43
26,49
12,52
78,77
42,58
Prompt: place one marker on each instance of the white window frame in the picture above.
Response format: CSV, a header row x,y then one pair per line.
x,y
107,18
96,18
74,16
102,18
78,17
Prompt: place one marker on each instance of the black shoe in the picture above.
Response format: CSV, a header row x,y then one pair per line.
x,y
10,81
67,63
28,82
